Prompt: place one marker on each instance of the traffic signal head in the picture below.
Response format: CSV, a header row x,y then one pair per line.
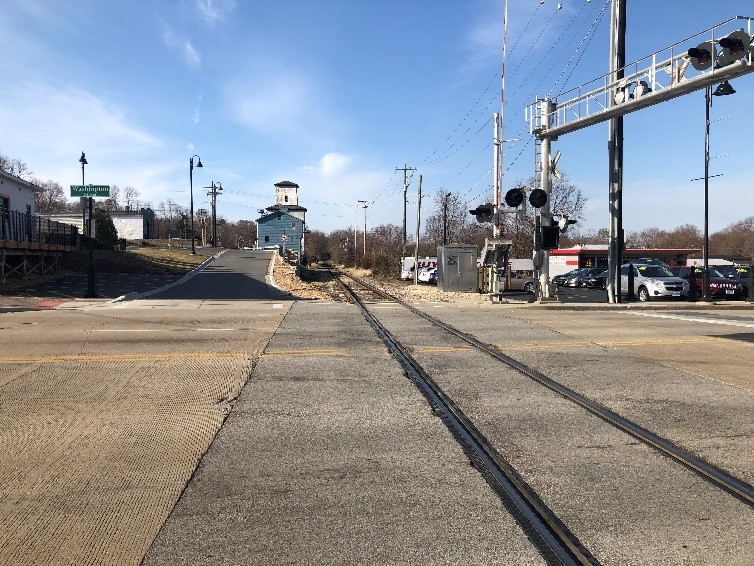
x,y
550,237
735,46
538,198
483,212
515,197
702,55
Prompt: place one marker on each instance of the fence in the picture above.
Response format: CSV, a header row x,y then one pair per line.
x,y
21,227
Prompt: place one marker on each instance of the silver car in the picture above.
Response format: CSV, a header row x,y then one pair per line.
x,y
653,281
522,283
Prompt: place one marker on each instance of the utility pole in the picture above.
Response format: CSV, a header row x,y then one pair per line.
x,y
445,219
215,189
497,147
418,222
364,205
405,169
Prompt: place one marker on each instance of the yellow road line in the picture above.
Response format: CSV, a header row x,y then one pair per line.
x,y
539,345
286,353
124,357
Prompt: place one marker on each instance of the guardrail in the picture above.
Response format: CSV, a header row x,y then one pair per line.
x,y
21,227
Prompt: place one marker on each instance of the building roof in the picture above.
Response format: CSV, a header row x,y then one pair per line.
x,y
586,248
286,184
287,207
18,181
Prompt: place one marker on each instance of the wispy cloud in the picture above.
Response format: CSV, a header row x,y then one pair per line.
x,y
198,108
213,11
183,47
48,127
271,100
333,164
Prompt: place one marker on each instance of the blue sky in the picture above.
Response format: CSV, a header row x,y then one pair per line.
x,y
335,94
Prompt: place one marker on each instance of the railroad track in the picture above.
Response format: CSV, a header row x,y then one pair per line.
x,y
549,534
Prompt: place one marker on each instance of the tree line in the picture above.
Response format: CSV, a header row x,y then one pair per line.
x,y
448,222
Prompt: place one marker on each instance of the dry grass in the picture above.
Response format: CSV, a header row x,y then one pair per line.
x,y
173,261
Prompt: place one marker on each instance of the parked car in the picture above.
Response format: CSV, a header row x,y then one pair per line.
x,y
644,261
424,274
653,281
720,287
595,281
739,273
407,274
577,279
560,279
432,277
522,283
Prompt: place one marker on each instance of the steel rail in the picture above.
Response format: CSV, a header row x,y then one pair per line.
x,y
731,484
556,543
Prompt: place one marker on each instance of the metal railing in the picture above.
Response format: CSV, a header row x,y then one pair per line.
x,y
21,227
663,75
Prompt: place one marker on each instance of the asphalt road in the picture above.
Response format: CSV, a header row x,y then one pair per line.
x,y
233,275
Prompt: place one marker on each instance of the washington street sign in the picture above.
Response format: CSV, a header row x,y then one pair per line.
x,y
90,190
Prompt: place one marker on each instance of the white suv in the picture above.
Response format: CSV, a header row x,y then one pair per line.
x,y
653,281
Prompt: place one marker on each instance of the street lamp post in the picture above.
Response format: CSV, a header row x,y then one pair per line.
x,y
364,205
722,89
191,189
91,292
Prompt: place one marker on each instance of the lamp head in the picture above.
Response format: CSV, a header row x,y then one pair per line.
x,y
83,160
723,89
200,162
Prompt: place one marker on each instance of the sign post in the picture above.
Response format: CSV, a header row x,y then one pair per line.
x,y
89,191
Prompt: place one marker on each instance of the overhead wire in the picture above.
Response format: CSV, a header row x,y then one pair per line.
x,y
588,39
544,29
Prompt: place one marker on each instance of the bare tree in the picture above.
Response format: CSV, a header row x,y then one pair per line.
x,y
735,241
111,203
52,198
449,217
130,195
14,166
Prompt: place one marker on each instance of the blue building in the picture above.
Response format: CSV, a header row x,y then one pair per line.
x,y
283,224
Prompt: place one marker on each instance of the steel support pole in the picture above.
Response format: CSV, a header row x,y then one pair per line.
x,y
705,273
615,153
545,185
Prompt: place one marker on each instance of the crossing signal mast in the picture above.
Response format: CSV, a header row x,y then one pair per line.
x,y
718,54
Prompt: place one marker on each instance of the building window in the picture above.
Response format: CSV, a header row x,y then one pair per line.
x,y
286,198
266,239
293,225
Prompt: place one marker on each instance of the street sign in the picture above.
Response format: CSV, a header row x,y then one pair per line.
x,y
90,190
283,238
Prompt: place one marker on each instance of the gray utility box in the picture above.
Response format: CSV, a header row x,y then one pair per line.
x,y
456,268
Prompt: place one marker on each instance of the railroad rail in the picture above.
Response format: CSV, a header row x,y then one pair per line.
x,y
556,543
723,480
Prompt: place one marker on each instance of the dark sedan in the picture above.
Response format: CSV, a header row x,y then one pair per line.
x,y
561,279
577,279
598,281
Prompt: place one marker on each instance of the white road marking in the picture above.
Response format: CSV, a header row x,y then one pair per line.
x,y
723,322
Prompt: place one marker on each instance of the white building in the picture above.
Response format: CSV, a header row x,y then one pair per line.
x,y
129,224
17,194
134,224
